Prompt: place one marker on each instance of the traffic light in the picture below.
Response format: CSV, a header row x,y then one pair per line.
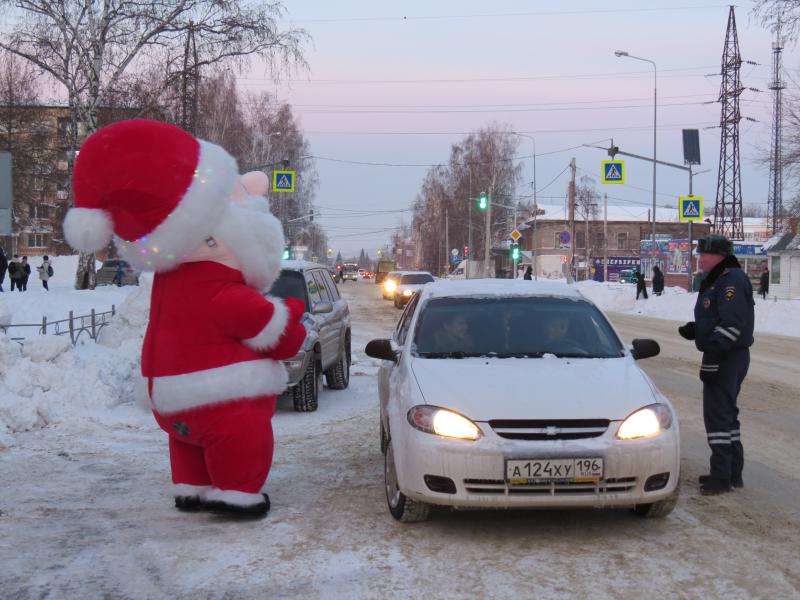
x,y
466,251
287,253
515,254
483,201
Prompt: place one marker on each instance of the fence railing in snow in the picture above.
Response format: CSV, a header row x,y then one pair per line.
x,y
91,325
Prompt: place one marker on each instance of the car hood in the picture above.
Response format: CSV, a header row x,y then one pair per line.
x,y
534,388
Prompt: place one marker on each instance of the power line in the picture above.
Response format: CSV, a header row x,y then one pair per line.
x,y
549,13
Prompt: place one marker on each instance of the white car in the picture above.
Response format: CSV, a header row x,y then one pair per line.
x,y
520,394
408,284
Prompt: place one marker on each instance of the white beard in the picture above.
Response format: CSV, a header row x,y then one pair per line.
x,y
255,237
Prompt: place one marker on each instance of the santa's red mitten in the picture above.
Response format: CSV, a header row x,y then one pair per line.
x,y
296,308
290,342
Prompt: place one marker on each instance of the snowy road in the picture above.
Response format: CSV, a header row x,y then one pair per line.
x,y
86,511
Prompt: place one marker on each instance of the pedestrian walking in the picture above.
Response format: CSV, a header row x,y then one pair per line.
x,y
763,283
641,287
15,272
26,273
3,267
658,281
119,275
528,276
723,331
45,272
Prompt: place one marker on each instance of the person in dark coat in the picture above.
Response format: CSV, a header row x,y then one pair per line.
x,y
26,273
763,283
3,267
723,331
528,276
658,281
641,287
15,273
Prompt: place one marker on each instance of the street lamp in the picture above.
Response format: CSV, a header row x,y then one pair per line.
x,y
535,204
621,54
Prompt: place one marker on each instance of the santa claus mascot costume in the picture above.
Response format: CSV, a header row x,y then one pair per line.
x,y
211,359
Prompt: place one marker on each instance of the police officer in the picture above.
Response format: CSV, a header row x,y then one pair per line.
x,y
723,331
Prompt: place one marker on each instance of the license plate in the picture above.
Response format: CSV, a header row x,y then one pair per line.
x,y
546,470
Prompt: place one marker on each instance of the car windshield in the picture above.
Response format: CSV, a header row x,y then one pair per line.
x,y
290,284
415,279
351,268
111,264
514,327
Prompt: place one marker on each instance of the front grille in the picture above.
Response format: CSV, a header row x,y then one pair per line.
x,y
548,429
620,485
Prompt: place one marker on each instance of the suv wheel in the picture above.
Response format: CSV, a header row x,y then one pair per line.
x,y
338,376
305,395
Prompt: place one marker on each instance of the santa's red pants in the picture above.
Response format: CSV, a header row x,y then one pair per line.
x,y
228,446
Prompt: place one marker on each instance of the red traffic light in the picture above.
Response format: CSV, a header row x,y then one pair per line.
x,y
466,250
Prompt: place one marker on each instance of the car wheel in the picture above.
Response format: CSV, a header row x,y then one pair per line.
x,y
401,507
657,510
305,395
338,377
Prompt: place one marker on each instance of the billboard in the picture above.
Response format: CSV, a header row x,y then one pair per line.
x,y
6,193
616,264
671,255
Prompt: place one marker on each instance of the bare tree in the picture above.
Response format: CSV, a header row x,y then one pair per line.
x,y
88,47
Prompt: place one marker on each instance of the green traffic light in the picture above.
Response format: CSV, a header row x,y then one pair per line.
x,y
286,254
515,252
483,201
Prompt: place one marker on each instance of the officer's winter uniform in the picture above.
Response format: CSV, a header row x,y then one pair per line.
x,y
723,332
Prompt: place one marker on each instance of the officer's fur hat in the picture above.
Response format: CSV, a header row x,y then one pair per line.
x,y
715,244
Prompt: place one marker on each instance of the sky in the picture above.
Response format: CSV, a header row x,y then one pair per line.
x,y
399,83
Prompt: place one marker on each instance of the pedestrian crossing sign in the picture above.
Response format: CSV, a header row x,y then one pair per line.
x,y
691,208
613,171
283,181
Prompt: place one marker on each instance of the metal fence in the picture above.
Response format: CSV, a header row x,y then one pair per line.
x,y
91,325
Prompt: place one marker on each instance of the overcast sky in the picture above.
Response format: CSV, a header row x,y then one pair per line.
x,y
387,89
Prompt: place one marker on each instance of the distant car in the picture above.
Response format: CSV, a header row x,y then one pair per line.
x,y
109,268
327,320
390,283
409,284
383,268
350,271
520,394
362,273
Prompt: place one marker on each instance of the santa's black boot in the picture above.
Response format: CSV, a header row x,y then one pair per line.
x,y
236,504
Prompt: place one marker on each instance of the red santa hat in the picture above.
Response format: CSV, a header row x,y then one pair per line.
x,y
155,187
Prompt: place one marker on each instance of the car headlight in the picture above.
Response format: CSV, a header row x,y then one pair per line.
x,y
441,421
390,286
646,422
407,293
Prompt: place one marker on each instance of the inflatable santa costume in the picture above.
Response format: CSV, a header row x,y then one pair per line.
x,y
211,359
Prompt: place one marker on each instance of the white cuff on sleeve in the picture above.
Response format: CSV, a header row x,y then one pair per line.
x,y
269,336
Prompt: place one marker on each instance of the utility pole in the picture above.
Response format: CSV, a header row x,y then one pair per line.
x,y
447,239
488,234
605,238
573,168
468,254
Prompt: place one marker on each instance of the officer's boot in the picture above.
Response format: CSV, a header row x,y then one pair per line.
x,y
714,487
736,481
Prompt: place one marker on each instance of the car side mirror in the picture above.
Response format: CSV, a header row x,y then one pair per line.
x,y
381,349
645,348
322,308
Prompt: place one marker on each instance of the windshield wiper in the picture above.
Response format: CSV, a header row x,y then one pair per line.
x,y
518,355
456,354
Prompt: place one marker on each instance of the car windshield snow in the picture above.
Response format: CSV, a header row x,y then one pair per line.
x,y
514,327
415,279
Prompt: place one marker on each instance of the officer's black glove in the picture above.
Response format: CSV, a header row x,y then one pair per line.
x,y
709,369
687,331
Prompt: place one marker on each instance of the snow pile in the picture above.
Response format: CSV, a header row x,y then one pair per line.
x,y
780,317
5,313
47,381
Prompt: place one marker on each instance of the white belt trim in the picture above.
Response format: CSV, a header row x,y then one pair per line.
x,y
726,333
249,379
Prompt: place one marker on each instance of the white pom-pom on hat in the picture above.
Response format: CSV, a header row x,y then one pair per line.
x,y
88,229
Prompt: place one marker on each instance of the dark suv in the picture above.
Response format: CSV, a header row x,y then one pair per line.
x,y
327,320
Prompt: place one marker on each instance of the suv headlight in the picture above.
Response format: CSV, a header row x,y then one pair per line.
x,y
646,422
440,421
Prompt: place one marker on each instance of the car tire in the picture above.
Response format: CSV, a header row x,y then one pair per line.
x,y
401,507
338,376
305,395
660,509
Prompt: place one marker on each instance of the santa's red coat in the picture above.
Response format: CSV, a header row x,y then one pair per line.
x,y
212,339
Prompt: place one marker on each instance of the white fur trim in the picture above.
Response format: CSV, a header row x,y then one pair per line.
x,y
269,336
249,379
187,489
88,229
233,497
256,238
201,208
